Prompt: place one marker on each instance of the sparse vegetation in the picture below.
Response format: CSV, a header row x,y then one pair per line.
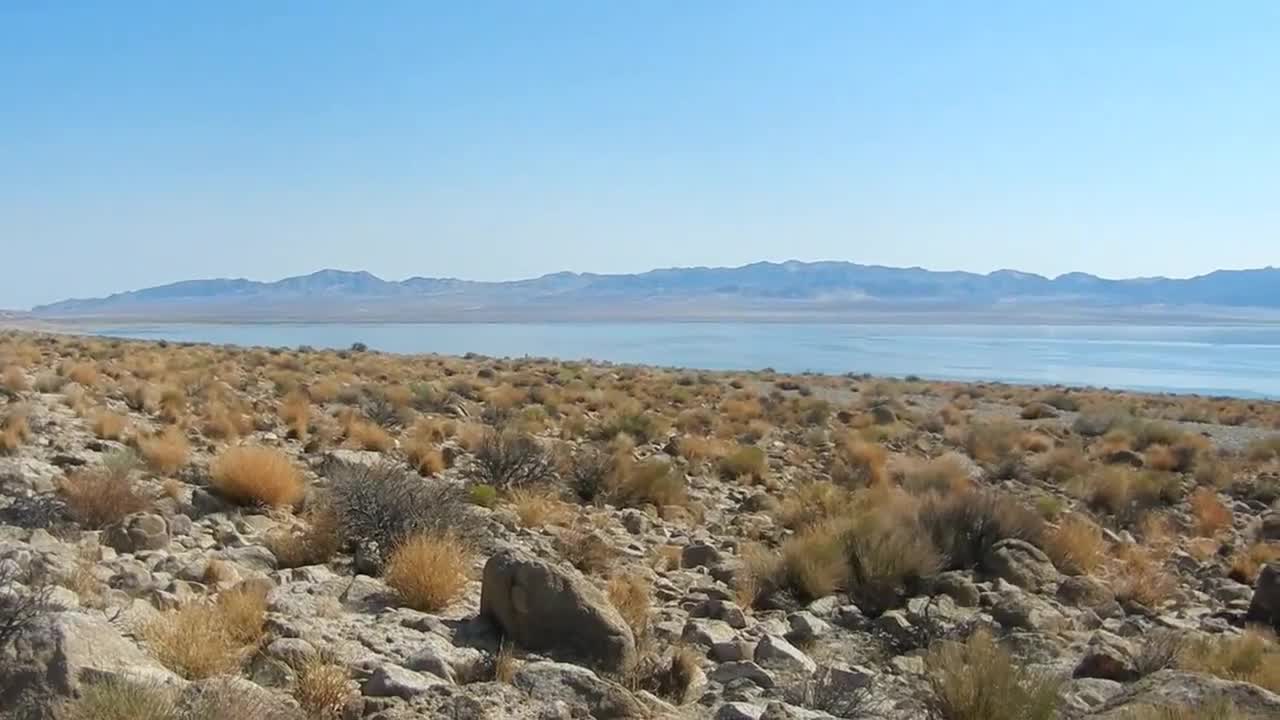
x,y
978,680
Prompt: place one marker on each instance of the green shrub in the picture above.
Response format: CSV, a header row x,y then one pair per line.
x,y
485,496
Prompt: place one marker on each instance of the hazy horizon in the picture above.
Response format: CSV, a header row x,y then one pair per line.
x,y
149,144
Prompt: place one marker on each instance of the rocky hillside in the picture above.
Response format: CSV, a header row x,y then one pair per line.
x,y
220,533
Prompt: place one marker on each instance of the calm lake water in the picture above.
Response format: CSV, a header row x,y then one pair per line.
x,y
1235,360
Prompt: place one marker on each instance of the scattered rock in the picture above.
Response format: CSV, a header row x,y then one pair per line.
x,y
546,608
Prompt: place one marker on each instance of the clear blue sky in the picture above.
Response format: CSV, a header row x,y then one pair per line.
x,y
142,143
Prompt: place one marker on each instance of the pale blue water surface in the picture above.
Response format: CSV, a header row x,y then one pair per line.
x,y
1215,360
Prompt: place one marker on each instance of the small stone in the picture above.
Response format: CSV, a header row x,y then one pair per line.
x,y
394,681
776,653
700,554
739,711
726,673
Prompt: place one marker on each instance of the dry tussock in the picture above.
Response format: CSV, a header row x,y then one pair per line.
x,y
1076,545
166,452
1247,563
630,595
107,425
14,429
250,474
429,571
205,639
1252,657
1209,513
979,680
323,688
97,498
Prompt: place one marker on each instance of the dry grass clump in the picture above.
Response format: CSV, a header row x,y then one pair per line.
x,y
749,463
165,452
888,557
1252,657
946,474
1137,574
858,463
366,435
107,425
250,474
14,429
83,373
1211,516
813,502
115,699
14,380
1127,494
1076,545
1264,449
97,498
314,544
814,563
652,481
1247,563
323,688
205,639
979,680
295,413
964,526
630,595
992,441
537,506
224,422
1062,464
424,455
429,571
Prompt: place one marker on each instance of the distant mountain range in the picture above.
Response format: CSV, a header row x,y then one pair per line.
x,y
760,291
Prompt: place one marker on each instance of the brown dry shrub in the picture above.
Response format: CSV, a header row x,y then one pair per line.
x,y
199,640
249,474
97,498
813,502
1062,464
165,452
1252,657
1076,545
858,463
652,481
295,413
107,425
429,572
314,544
630,595
966,525
14,429
323,688
537,506
1211,516
83,373
979,680
367,435
946,474
1246,564
993,441
424,455
1138,575
14,380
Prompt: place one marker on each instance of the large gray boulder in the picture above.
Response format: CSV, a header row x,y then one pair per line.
x,y
62,651
579,688
555,610
1174,688
1021,563
1265,607
137,532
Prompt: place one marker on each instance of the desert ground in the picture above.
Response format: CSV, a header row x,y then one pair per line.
x,y
205,532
